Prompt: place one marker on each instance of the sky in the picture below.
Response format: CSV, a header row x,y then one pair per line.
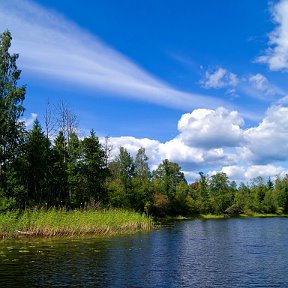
x,y
201,83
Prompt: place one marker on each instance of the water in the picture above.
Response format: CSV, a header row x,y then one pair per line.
x,y
200,253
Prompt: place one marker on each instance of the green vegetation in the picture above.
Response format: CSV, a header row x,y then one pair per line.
x,y
55,222
50,182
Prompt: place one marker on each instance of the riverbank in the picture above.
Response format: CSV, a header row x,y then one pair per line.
x,y
55,222
250,215
169,219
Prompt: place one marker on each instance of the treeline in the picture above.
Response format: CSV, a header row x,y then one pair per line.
x,y
71,172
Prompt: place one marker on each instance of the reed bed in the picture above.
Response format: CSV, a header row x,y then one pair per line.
x,y
59,222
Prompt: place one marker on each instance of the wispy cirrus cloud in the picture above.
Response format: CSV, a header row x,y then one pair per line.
x,y
259,87
53,46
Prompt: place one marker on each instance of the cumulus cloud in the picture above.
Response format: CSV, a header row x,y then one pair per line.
x,y
211,128
216,139
241,173
54,47
219,78
276,56
268,141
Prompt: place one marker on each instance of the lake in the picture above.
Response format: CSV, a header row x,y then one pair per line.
x,y
200,253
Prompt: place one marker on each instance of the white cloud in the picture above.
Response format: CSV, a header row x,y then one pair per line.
x,y
241,173
211,128
191,176
276,56
268,141
29,121
260,83
214,139
175,150
51,46
219,78
133,144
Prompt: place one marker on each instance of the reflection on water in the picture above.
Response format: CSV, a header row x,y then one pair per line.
x,y
200,253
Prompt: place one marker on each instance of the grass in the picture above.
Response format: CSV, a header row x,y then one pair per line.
x,y
212,216
263,215
243,215
55,222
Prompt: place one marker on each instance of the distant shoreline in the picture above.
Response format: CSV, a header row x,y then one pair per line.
x,y
221,216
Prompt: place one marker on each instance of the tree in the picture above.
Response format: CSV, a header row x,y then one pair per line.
x,y
258,192
73,170
66,120
220,193
59,193
37,156
11,109
93,169
204,193
141,165
49,120
141,193
108,147
281,193
121,181
170,175
126,168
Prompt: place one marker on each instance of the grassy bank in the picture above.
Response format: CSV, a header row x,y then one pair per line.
x,y
250,215
259,215
54,222
212,216
218,216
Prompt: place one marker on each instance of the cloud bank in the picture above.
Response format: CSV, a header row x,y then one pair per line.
x,y
215,140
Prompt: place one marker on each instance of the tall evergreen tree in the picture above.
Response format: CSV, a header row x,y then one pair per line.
x,y
11,109
37,154
73,170
93,169
58,194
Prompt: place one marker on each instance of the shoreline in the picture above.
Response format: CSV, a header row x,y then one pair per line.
x,y
40,223
216,216
59,223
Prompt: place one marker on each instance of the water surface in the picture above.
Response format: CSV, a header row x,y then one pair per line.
x,y
199,253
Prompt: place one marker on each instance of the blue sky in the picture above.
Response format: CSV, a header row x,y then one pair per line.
x,y
202,83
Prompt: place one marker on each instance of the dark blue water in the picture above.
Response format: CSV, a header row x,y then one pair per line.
x,y
200,253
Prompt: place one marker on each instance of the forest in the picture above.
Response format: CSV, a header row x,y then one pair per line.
x,y
72,172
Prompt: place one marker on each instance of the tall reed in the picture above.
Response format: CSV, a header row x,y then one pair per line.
x,y
52,222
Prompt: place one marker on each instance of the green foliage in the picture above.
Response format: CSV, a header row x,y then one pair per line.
x,y
37,156
58,172
93,169
11,109
170,176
